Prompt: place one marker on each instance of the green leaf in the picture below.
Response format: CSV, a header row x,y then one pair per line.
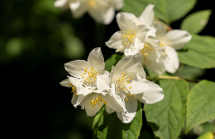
x,y
189,72
200,53
14,47
108,126
191,85
74,48
196,22
208,127
209,38
208,135
200,104
166,10
169,114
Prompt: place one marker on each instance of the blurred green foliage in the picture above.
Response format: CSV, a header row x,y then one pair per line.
x,y
196,22
36,39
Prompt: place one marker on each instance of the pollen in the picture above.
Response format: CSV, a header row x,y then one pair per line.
x,y
73,89
91,3
145,52
89,76
128,37
98,99
122,81
164,42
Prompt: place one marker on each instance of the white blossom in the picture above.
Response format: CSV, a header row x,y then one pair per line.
x,y
159,53
102,11
130,38
146,18
134,30
90,84
129,84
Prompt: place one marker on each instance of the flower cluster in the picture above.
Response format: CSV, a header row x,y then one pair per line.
x,y
149,38
102,11
143,40
118,90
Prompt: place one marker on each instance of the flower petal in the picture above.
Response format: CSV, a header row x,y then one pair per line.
x,y
77,99
115,41
178,38
96,60
119,100
132,50
152,42
160,33
151,32
103,81
109,110
76,68
170,60
153,94
131,106
65,83
147,15
74,81
74,5
151,53
127,63
151,61
109,15
74,99
79,87
91,111
112,102
125,23
141,32
128,15
118,4
139,69
96,13
136,87
60,3
78,8
157,67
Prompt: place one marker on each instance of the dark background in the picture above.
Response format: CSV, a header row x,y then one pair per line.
x,y
36,39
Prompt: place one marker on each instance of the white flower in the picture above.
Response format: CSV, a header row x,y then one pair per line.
x,y
90,83
102,11
133,32
129,84
159,54
130,38
146,18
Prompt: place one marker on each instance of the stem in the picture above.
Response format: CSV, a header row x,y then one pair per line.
x,y
169,77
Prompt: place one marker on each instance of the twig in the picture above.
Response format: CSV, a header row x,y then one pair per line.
x,y
169,77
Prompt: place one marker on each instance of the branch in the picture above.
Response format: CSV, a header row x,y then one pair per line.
x,y
169,77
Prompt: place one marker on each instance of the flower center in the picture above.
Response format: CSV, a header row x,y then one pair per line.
x,y
73,89
128,37
137,21
91,3
121,82
145,52
164,42
97,99
131,96
89,77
